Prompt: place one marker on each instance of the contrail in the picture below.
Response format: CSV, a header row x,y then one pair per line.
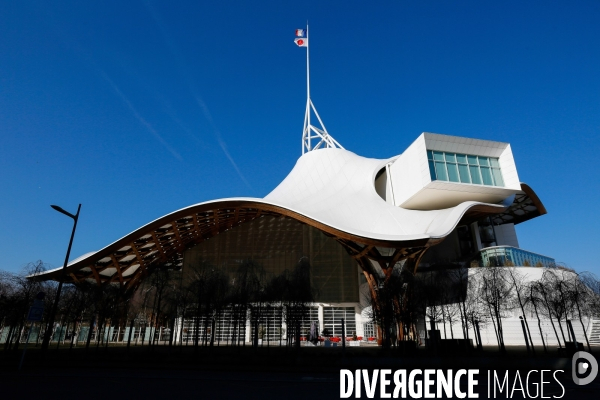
x,y
141,119
183,71
222,143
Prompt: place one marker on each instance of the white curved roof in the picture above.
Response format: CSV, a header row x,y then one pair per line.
x,y
331,189
336,187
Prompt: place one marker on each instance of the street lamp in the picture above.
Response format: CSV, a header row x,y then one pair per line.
x,y
48,334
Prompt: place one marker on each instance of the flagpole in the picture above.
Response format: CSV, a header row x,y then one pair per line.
x,y
308,103
309,131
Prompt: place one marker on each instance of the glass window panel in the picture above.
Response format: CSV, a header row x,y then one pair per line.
x,y
432,170
461,158
438,156
484,161
472,160
494,162
475,176
498,181
429,155
463,170
486,174
453,172
450,157
440,169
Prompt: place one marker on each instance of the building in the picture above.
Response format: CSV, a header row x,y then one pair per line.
x,y
355,219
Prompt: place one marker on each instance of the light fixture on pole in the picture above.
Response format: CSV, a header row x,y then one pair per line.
x,y
49,330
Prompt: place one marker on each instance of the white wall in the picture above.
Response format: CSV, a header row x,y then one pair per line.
x,y
410,171
511,324
513,333
411,179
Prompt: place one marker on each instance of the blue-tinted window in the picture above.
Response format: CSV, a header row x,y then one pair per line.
x,y
475,176
432,170
486,174
464,168
498,181
499,256
452,172
440,170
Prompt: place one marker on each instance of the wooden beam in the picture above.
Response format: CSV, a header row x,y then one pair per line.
x,y
178,235
95,273
118,267
159,246
236,217
215,229
197,230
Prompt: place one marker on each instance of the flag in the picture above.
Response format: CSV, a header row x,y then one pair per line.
x,y
301,42
300,32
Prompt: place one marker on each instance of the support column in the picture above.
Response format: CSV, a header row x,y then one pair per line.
x,y
321,319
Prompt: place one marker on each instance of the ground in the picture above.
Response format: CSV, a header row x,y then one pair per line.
x,y
244,372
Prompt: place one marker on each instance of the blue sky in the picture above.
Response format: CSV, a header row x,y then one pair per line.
x,y
138,108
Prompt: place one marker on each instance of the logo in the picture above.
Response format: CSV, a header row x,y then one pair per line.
x,y
584,368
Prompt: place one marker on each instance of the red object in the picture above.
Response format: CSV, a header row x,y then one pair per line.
x,y
359,338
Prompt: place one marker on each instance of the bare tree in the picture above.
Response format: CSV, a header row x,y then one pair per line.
x,y
555,291
593,283
162,283
520,289
247,285
297,298
533,296
496,293
581,297
475,312
19,295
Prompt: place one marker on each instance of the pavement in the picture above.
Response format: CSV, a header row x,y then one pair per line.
x,y
246,373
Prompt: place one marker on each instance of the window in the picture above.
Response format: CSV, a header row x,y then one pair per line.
x,y
332,320
464,168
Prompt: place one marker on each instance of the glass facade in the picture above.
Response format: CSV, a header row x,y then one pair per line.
x,y
464,168
277,244
228,328
332,320
507,256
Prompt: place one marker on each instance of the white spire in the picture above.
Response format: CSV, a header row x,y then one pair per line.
x,y
313,137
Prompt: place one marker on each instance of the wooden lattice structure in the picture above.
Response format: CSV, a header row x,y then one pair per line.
x,y
163,241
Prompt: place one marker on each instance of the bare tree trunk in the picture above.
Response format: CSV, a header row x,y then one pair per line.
x,y
444,322
466,325
583,327
540,326
131,326
451,329
562,332
89,338
495,329
19,334
9,338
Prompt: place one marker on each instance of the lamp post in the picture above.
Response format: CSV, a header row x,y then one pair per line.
x,y
48,334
